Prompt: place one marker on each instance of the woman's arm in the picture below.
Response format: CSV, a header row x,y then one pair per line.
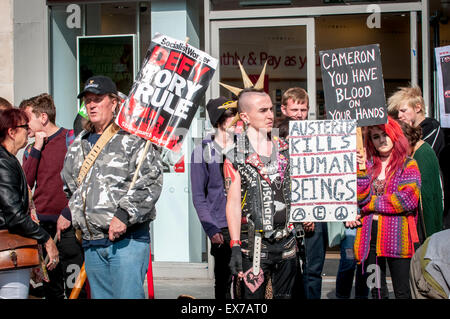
x,y
404,199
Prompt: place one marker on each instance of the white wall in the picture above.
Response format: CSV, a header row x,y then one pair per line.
x,y
6,53
30,49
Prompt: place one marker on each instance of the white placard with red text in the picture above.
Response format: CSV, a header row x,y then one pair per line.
x,y
323,170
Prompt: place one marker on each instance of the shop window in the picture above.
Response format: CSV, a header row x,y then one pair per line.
x,y
283,48
271,4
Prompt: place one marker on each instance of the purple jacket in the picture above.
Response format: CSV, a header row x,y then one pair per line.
x,y
208,191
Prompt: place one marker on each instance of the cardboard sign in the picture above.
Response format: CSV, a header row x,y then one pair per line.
x,y
443,74
165,96
323,170
353,85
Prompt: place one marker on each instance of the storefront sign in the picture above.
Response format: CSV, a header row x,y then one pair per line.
x,y
353,84
323,170
442,55
73,20
165,96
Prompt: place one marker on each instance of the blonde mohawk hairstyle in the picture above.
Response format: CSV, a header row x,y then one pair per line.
x,y
247,84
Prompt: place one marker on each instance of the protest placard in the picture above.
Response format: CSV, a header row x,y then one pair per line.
x,y
167,91
353,84
323,170
442,55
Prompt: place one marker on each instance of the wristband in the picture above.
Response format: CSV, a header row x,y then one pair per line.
x,y
232,242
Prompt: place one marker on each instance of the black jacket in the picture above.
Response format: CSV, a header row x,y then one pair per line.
x,y
14,214
433,135
251,185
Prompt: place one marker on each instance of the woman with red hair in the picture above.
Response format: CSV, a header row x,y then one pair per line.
x,y
15,214
388,193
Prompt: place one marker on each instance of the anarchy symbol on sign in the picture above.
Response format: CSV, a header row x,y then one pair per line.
x,y
298,214
341,213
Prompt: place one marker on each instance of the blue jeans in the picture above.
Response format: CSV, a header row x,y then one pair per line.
x,y
315,247
117,271
14,283
346,271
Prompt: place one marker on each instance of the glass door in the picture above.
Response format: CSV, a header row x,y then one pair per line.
x,y
287,45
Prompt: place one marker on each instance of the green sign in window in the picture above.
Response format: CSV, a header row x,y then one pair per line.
x,y
113,56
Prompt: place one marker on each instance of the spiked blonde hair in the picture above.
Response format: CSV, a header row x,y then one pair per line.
x,y
259,85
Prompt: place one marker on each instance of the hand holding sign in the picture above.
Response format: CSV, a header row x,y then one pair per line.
x,y
361,158
354,224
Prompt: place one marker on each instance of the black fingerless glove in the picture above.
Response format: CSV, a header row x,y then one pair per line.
x,y
236,260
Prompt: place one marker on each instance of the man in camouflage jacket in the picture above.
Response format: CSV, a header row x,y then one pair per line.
x,y
114,220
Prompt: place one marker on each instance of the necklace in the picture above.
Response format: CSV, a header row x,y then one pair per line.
x,y
278,182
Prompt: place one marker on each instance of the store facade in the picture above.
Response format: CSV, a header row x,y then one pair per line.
x,y
78,38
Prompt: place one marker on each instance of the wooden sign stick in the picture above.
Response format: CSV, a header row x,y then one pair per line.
x,y
360,146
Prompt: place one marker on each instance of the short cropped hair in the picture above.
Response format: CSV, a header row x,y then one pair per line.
x,y
411,95
297,94
23,105
241,107
42,103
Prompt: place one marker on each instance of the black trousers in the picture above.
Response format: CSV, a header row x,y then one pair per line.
x,y
71,258
375,267
275,264
222,273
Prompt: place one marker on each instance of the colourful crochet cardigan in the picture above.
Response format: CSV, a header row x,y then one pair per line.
x,y
402,192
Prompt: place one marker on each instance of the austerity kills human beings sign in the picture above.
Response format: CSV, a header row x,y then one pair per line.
x,y
353,84
323,170
167,91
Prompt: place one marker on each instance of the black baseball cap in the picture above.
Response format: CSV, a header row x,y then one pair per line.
x,y
214,112
98,84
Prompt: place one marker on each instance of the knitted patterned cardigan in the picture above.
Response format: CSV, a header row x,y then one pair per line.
x,y
402,192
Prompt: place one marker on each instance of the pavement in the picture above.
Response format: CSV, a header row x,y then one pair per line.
x,y
171,287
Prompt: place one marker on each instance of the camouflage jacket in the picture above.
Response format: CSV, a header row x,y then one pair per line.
x,y
104,192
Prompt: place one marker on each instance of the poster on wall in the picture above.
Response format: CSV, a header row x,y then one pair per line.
x,y
353,84
323,170
168,89
442,55
112,55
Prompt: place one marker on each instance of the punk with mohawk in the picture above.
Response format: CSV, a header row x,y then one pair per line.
x,y
262,241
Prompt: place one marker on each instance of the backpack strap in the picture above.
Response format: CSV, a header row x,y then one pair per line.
x,y
95,151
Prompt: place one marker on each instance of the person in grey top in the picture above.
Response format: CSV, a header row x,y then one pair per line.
x,y
113,219
430,268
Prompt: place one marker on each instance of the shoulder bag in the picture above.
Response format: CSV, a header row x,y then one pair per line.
x,y
17,251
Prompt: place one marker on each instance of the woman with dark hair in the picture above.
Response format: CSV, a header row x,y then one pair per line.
x,y
14,202
388,193
431,205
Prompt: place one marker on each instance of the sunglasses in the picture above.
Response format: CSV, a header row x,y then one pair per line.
x,y
25,126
